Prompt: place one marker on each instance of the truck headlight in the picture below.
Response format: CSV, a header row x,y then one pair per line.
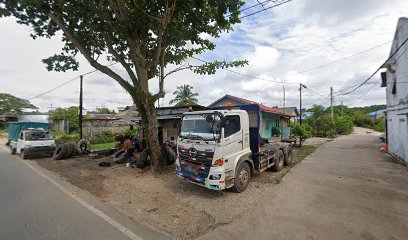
x,y
215,177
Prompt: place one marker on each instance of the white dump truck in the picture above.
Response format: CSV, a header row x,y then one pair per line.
x,y
30,138
223,148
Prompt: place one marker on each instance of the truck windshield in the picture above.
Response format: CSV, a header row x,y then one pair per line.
x,y
201,126
38,136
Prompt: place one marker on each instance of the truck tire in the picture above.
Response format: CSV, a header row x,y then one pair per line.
x,y
13,151
242,177
23,155
119,157
84,146
279,161
288,156
59,152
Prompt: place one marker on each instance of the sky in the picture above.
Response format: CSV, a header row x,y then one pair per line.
x,y
291,44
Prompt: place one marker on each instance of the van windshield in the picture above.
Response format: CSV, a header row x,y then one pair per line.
x,y
38,136
201,126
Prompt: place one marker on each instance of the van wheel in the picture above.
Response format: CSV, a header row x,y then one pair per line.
x,y
279,161
289,157
242,177
23,155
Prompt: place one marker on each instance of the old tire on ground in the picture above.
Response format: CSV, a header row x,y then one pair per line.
x,y
172,156
59,152
69,150
119,157
74,149
242,177
83,146
279,161
288,156
144,159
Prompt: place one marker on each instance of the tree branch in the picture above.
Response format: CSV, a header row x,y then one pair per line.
x,y
120,58
77,43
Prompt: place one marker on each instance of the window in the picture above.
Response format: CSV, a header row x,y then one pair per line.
x,y
233,125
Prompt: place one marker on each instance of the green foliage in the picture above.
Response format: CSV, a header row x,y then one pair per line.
x,y
62,137
10,104
303,130
104,110
69,114
379,124
184,96
104,137
344,125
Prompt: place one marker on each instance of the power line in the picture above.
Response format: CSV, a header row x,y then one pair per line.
x,y
65,83
276,5
376,71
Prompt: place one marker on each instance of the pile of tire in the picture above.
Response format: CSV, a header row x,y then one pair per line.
x,y
65,151
119,156
168,156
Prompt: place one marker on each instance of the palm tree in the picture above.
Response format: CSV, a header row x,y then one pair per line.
x,y
184,96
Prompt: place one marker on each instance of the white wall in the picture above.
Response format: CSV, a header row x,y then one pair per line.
x,y
397,104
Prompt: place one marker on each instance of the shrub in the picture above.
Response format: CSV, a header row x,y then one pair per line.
x,y
62,137
104,137
344,125
303,130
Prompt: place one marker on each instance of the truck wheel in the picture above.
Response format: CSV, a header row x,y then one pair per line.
x,y
279,161
23,155
13,151
288,156
242,177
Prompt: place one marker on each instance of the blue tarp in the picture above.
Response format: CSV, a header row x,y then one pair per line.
x,y
14,128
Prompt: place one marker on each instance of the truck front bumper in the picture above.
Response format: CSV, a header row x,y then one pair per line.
x,y
39,150
205,182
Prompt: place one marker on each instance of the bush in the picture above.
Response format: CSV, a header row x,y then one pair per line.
x,y
62,137
344,125
303,130
104,137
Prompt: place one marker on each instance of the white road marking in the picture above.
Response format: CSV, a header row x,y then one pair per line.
x,y
91,208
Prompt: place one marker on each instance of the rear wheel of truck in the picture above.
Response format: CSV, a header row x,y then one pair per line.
x,y
288,156
13,151
279,161
242,177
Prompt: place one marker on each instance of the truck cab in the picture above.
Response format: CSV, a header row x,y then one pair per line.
x,y
218,149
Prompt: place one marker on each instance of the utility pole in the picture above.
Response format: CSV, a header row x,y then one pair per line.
x,y
284,97
300,109
80,106
331,102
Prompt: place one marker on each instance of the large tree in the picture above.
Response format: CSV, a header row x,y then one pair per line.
x,y
143,36
10,104
184,96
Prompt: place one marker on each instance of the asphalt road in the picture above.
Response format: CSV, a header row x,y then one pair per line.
x,y
32,207
346,189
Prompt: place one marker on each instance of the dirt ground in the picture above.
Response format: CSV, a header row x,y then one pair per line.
x,y
166,203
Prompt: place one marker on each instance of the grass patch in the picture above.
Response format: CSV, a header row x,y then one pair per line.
x,y
299,153
101,146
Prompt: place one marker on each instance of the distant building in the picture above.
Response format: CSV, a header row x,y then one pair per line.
x,y
376,114
292,112
395,80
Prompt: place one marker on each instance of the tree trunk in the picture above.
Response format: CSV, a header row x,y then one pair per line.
x,y
150,127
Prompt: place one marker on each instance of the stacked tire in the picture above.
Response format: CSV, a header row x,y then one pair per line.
x,y
65,151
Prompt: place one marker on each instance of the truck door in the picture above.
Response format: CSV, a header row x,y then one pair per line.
x,y
20,142
232,136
